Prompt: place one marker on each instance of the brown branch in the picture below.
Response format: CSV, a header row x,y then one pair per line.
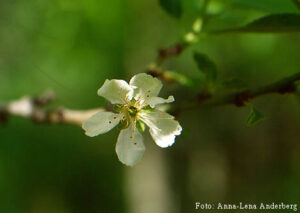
x,y
32,108
283,86
155,69
241,98
175,50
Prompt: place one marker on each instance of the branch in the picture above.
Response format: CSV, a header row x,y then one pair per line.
x,y
241,98
155,68
33,108
163,54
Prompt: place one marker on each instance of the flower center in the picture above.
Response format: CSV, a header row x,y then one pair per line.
x,y
132,111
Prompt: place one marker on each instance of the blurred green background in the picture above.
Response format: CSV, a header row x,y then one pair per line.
x,y
71,47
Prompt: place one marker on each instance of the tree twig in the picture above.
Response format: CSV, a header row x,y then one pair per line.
x,y
33,108
241,98
155,68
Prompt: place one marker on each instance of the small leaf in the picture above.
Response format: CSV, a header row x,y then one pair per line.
x,y
197,25
195,82
254,117
206,65
173,7
275,23
180,78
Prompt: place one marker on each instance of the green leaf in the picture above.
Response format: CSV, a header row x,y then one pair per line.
x,y
173,7
254,117
206,65
195,82
180,78
275,23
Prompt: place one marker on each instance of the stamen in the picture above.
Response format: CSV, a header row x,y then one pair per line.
x,y
138,102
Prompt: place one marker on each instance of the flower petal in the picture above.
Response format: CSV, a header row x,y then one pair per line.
x,y
100,123
163,127
147,86
116,91
130,146
153,101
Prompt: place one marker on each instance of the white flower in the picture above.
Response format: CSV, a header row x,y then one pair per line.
x,y
134,104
